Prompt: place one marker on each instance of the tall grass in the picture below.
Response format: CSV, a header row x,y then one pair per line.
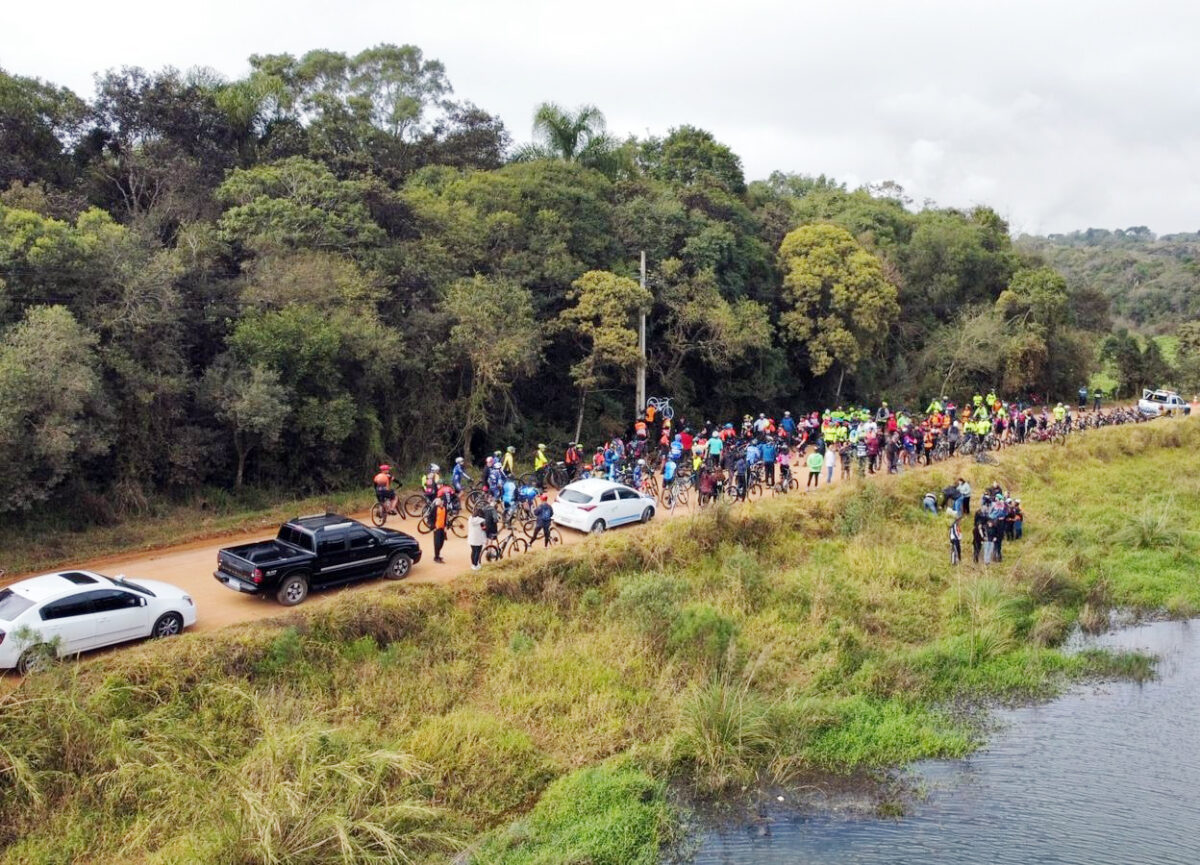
x,y
533,713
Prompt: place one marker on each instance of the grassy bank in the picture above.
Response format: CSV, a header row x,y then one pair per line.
x,y
535,714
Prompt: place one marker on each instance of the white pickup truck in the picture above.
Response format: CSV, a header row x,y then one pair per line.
x,y
1156,402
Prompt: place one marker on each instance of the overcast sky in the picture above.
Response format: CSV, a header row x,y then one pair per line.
x,y
1061,114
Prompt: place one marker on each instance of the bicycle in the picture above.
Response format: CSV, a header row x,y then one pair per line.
x,y
380,512
509,545
662,405
456,523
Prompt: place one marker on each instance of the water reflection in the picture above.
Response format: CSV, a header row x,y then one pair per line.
x,y
1107,774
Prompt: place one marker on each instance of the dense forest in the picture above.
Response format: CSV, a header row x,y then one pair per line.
x,y
1153,282
281,279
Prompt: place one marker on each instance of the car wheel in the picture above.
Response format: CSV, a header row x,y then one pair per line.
x,y
598,527
292,590
398,567
647,515
168,625
35,659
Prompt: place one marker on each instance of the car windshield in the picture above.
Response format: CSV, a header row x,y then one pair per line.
x,y
12,605
575,497
130,584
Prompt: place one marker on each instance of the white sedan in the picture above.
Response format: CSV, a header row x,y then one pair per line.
x,y
73,611
593,505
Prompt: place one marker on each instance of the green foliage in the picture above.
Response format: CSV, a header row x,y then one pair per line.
x,y
838,304
50,403
609,815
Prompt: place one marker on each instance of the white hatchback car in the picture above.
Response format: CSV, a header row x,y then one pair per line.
x,y
74,611
593,505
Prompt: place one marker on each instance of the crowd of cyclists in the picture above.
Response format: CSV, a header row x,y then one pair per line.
x,y
676,461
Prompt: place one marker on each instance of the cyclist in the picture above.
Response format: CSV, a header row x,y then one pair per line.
x,y
1060,413
508,496
572,459
540,461
431,482
639,475
384,494
495,478
458,475
669,468
543,513
507,462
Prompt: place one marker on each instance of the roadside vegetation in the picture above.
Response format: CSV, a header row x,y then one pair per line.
x,y
538,712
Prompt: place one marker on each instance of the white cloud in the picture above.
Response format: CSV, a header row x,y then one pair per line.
x,y
1060,115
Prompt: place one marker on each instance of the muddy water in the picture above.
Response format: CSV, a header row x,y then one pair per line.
x,y
1107,774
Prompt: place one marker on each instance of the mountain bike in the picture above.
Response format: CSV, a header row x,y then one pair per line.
x,y
509,545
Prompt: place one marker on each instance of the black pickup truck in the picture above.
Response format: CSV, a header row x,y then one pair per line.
x,y
316,552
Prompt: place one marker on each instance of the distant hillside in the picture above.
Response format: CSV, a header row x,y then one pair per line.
x,y
1153,282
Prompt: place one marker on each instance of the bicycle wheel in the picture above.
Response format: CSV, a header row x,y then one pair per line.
x,y
423,526
492,552
557,477
527,526
528,479
475,499
755,491
414,506
681,494
555,536
378,514
516,546
457,524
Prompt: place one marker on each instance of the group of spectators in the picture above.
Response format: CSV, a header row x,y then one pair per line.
x,y
998,518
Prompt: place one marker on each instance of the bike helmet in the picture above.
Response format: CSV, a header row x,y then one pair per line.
x,y
541,447
511,449
434,467
385,468
458,460
488,461
641,462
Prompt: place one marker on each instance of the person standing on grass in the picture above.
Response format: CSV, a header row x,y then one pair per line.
x,y
814,462
964,497
543,514
1018,518
979,535
956,541
438,524
476,537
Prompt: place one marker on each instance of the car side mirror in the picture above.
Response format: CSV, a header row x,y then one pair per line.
x,y
142,602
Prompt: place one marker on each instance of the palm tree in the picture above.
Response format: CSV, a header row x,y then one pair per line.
x,y
580,136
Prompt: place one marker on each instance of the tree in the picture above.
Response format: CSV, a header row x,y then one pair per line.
x,y
689,155
296,203
251,403
837,304
699,326
495,334
602,322
52,406
38,124
580,136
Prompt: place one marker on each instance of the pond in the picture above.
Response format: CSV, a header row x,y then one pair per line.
x,y
1109,773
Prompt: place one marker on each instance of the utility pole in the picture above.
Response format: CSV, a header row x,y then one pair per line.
x,y
641,371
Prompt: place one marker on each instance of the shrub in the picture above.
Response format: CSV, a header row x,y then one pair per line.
x,y
607,815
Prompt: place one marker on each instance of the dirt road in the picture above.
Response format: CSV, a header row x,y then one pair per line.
x,y
190,566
